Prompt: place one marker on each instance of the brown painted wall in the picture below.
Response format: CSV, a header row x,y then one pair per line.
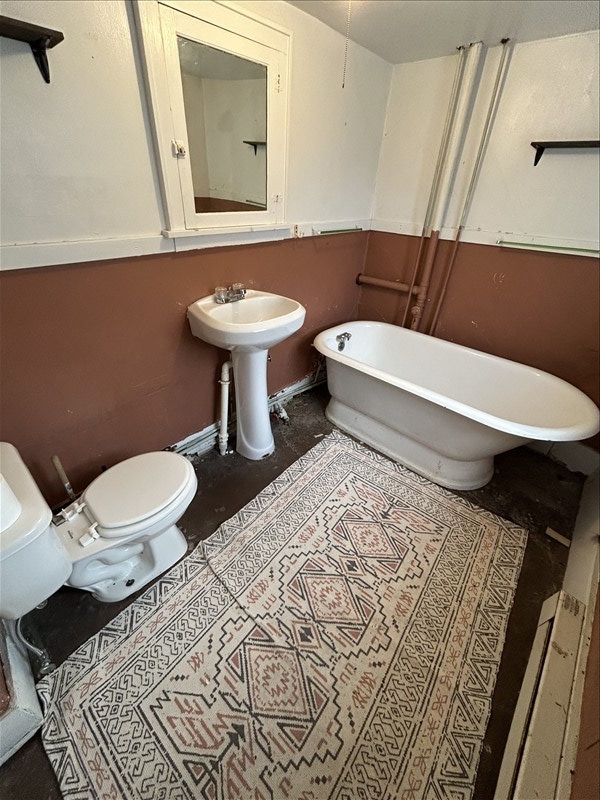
x,y
98,362
540,309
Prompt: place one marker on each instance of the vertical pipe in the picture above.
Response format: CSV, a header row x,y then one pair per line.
x,y
458,132
223,436
493,105
448,124
417,310
455,146
458,77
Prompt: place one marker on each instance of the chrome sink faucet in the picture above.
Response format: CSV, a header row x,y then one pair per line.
x,y
237,291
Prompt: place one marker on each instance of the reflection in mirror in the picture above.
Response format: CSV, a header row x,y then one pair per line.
x,y
225,99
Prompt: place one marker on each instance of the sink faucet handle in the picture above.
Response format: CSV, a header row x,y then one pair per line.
x,y
221,295
238,290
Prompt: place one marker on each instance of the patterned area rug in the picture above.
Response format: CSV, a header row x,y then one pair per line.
x,y
357,659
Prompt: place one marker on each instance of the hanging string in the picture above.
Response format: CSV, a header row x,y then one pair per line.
x,y
346,45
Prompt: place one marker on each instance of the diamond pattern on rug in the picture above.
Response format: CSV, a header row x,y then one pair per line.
x,y
343,642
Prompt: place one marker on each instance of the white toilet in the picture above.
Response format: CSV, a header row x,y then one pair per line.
x,y
120,534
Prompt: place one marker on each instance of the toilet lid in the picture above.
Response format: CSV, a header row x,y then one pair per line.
x,y
136,488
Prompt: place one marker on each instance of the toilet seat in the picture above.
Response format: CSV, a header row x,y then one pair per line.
x,y
139,503
137,493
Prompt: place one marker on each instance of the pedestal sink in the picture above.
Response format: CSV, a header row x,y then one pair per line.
x,y
248,328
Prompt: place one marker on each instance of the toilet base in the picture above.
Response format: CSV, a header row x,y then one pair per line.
x,y
145,561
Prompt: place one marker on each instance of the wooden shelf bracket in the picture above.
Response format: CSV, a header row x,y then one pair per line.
x,y
39,39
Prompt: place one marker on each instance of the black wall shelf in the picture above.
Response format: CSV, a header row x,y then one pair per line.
x,y
38,38
254,144
541,146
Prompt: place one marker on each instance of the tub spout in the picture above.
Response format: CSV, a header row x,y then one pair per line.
x,y
342,339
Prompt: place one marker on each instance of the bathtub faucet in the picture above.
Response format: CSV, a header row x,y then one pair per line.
x,y
237,291
342,339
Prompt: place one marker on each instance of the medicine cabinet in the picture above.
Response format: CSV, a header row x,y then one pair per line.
x,y
217,80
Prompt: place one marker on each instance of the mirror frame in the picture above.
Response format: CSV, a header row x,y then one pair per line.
x,y
241,33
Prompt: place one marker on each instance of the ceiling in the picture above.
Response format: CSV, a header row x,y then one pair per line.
x,y
412,30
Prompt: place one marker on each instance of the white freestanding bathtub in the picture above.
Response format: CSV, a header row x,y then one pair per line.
x,y
442,409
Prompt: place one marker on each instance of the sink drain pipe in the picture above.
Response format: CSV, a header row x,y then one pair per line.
x,y
225,381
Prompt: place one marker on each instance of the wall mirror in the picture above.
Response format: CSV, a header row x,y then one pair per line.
x,y
225,100
216,78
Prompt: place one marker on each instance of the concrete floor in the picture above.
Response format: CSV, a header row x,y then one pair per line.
x,y
527,488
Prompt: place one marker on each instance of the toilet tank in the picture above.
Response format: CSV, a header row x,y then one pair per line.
x,y
33,561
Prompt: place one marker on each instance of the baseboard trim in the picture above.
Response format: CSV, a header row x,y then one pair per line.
x,y
201,442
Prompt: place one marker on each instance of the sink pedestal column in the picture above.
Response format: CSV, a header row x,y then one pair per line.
x,y
254,435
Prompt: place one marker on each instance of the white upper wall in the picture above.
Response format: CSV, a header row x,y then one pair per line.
x,y
75,153
78,170
334,134
79,179
551,93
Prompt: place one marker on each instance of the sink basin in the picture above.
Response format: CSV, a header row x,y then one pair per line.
x,y
257,322
248,328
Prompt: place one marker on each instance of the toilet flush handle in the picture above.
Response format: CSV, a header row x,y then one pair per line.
x,y
71,511
90,536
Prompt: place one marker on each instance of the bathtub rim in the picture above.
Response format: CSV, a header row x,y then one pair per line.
x,y
577,432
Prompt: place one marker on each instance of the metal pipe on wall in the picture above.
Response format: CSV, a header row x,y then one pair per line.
x,y
433,192
417,310
457,135
456,139
224,421
500,75
383,284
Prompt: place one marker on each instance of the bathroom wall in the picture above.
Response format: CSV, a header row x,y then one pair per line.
x,y
551,92
540,308
79,176
98,362
97,359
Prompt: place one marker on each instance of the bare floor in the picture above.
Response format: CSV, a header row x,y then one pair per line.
x,y
527,488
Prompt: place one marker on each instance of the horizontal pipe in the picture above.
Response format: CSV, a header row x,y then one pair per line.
x,y
338,230
547,246
394,285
